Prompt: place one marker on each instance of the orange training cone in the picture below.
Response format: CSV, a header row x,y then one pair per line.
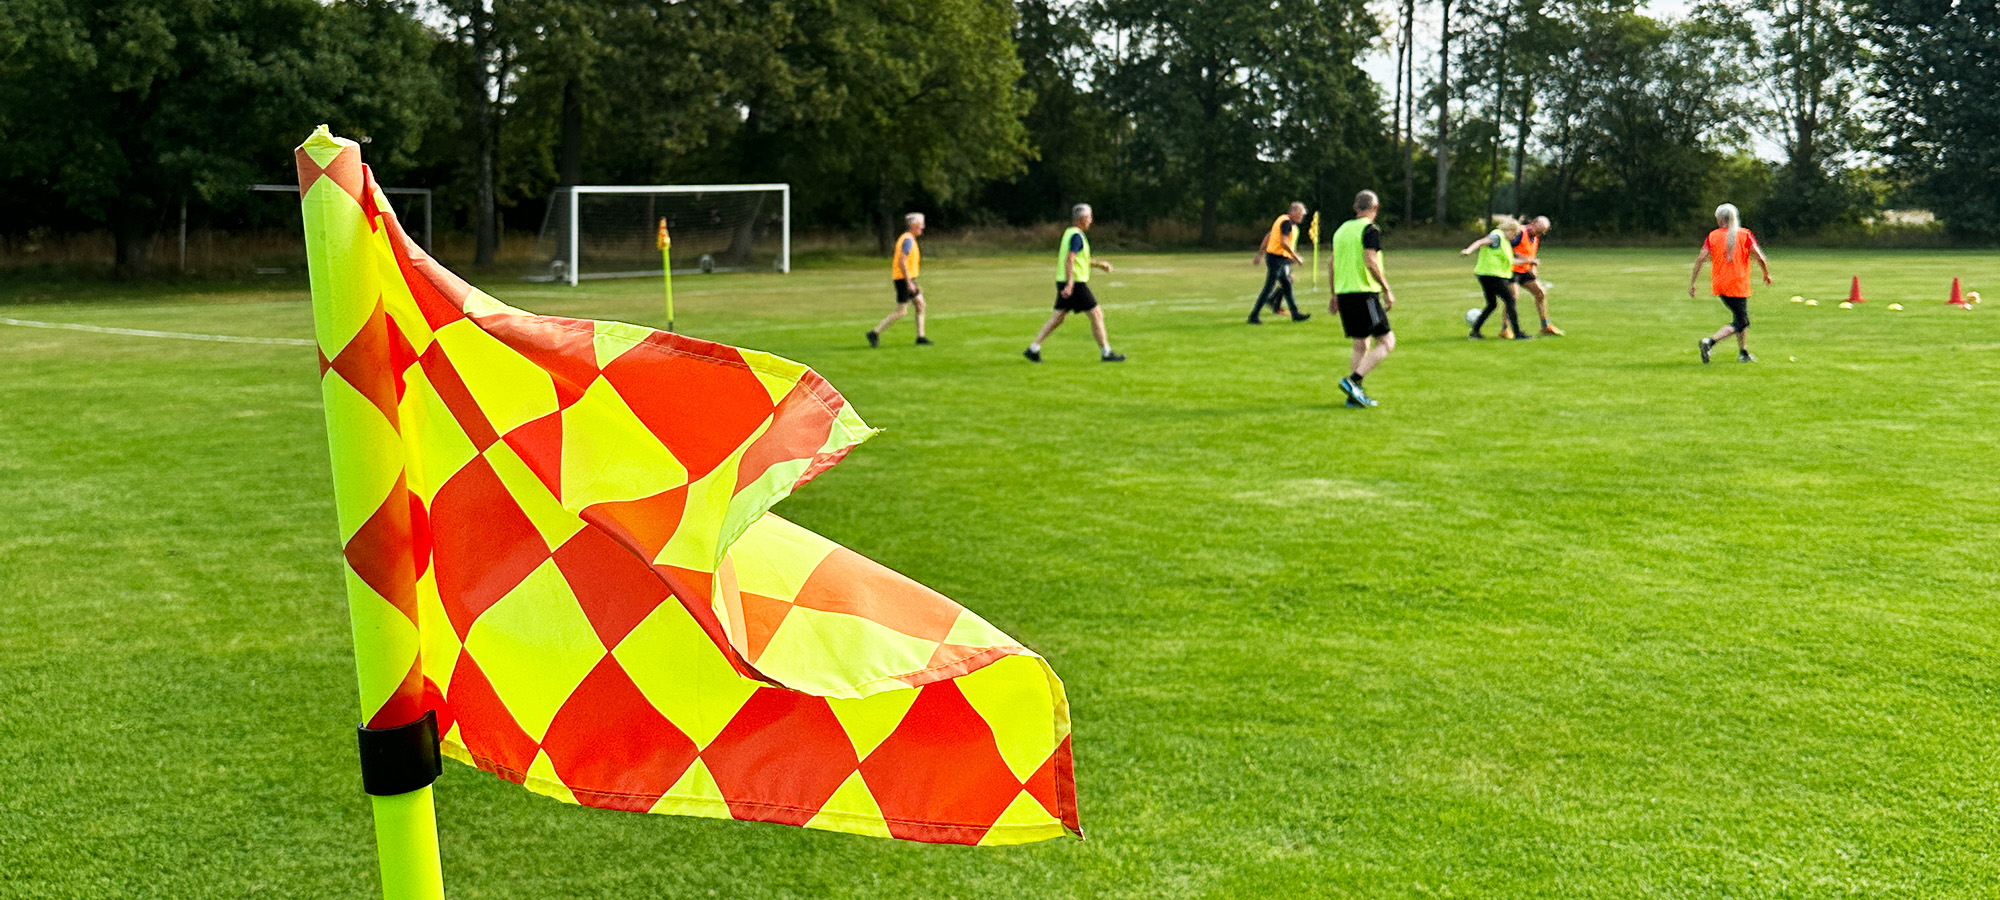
x,y
1854,292
1957,296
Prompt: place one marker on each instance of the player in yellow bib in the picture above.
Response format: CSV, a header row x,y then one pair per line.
x,y
1073,294
1361,295
904,266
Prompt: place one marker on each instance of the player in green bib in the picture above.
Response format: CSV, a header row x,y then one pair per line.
x,y
1495,270
1361,295
1073,294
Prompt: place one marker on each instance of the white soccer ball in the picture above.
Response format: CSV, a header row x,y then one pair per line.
x,y
1472,315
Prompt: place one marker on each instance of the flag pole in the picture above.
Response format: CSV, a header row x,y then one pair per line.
x,y
1315,243
398,737
666,243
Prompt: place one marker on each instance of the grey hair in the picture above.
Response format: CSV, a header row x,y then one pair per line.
x,y
1728,215
1079,211
1365,201
913,218
1301,207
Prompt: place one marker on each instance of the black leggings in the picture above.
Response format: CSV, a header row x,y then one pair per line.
x,y
1277,285
1498,290
1739,312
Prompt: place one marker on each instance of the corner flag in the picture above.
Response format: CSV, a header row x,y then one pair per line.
x,y
559,549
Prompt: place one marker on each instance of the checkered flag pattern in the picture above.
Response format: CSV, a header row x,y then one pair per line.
x,y
558,537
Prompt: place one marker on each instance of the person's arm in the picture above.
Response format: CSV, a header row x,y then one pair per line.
x,y
1695,275
1761,261
1469,248
1372,258
1101,264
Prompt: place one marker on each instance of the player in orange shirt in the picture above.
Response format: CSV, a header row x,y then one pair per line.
x,y
1728,250
904,266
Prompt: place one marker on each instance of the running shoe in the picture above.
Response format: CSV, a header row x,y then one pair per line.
x,y
1705,345
1032,354
1300,317
1475,336
923,341
1354,393
1506,333
1255,321
1745,357
874,340
1112,357
1551,330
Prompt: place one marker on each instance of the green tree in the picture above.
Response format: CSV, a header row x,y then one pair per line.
x,y
912,96
1939,70
1807,57
126,108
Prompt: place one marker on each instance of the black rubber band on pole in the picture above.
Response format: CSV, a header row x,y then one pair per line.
x,y
401,759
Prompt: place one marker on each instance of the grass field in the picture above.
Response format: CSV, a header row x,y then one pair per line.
x,y
1573,617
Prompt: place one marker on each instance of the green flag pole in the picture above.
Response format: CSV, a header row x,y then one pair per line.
x,y
666,243
347,260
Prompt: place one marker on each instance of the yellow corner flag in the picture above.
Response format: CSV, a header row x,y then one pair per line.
x,y
560,554
1312,234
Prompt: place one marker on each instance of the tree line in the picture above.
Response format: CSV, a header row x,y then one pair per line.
x,y
1807,113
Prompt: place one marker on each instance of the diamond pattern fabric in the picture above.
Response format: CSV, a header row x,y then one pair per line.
x,y
558,536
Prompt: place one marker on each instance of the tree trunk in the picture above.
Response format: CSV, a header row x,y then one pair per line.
x,y
1521,146
885,215
569,155
132,230
486,231
1408,112
1211,202
1499,113
1444,111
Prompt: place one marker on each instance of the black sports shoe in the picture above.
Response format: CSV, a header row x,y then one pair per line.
x,y
1705,345
874,340
1300,317
1255,321
1745,357
1112,356
923,341
1032,354
1475,336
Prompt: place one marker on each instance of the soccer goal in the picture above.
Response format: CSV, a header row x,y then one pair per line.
x,y
610,231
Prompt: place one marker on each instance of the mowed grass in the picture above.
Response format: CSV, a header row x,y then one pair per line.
x,y
1573,617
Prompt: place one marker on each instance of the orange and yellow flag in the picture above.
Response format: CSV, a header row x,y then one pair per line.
x,y
558,538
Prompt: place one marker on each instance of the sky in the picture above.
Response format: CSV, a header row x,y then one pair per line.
x,y
1381,62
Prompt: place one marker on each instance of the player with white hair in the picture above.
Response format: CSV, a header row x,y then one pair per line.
x,y
1728,251
1073,264
903,268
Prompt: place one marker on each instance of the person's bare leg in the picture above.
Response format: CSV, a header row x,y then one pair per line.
x,y
1742,345
1726,331
1383,346
918,302
1360,351
1097,329
1049,327
895,317
1541,299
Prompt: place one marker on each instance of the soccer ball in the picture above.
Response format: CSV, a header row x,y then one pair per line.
x,y
1472,315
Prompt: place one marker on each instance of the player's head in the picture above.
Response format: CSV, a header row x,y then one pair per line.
x,y
1366,203
1507,225
1080,215
1297,212
914,222
1727,216
1540,225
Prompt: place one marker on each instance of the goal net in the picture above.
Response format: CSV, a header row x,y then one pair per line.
x,y
611,231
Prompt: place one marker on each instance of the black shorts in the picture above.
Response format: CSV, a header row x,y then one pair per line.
x,y
1527,277
904,292
1739,311
1079,300
1362,315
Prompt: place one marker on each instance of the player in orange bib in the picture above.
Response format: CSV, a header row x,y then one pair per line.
x,y
1527,275
904,266
1728,251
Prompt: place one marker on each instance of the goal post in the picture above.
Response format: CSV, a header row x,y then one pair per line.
x,y
609,231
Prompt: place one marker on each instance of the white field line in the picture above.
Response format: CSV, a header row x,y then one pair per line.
x,y
175,335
